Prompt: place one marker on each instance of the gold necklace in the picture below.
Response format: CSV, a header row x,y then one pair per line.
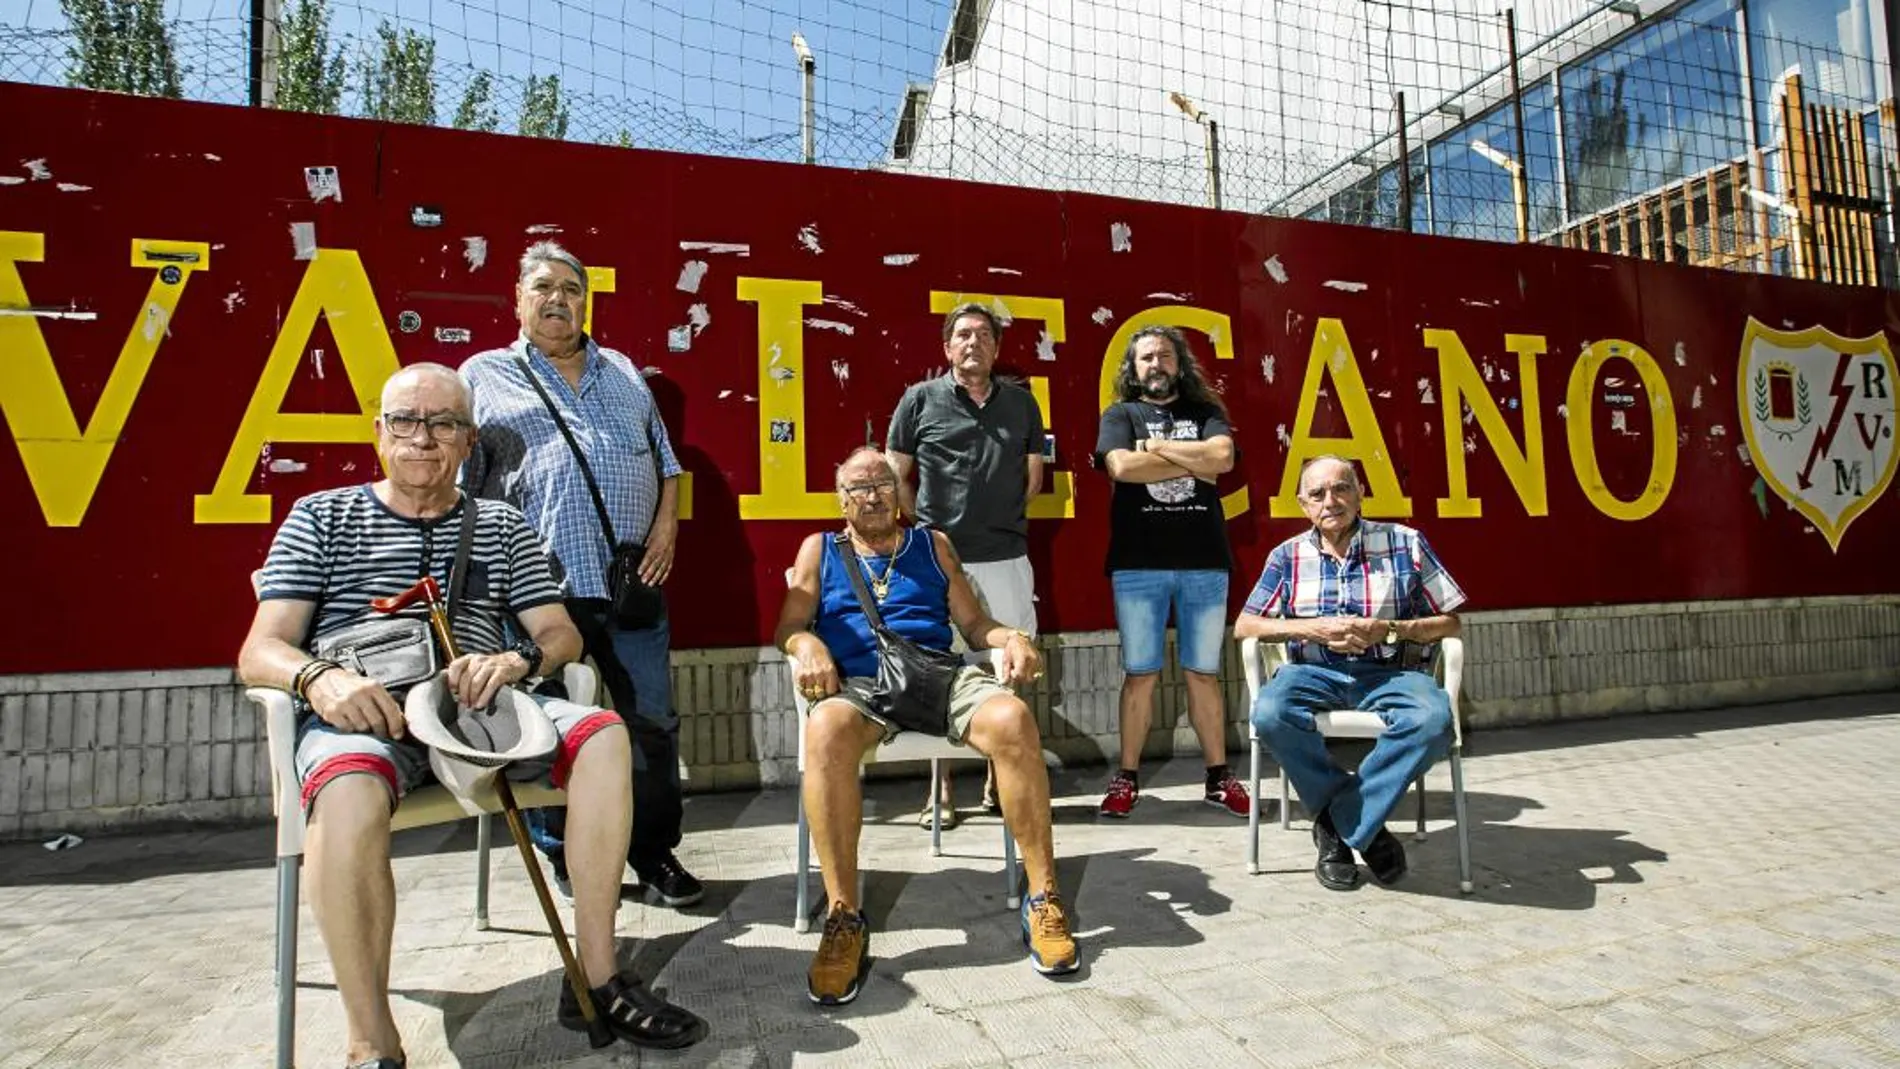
x,y
881,586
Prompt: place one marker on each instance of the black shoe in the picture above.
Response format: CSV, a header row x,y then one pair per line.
x,y
665,881
1335,869
633,1013
1385,856
561,885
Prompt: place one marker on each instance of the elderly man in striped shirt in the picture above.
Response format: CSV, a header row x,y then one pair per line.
x,y
1361,605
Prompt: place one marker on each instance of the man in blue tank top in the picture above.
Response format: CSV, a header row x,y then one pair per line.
x,y
920,590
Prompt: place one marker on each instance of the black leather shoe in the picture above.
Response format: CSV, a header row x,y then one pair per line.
x,y
1385,856
1335,869
665,881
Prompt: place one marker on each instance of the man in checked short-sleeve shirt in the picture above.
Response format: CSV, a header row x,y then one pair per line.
x,y
1361,605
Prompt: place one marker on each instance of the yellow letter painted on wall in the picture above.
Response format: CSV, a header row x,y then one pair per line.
x,y
599,280
1219,331
336,287
1460,384
1578,428
1057,500
1333,349
62,462
783,492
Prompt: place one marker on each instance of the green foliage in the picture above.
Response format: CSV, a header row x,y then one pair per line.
x,y
477,109
399,78
542,113
309,73
123,46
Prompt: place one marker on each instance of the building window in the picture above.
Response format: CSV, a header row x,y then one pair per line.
x,y
909,121
966,29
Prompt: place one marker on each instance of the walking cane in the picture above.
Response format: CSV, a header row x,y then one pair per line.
x,y
427,590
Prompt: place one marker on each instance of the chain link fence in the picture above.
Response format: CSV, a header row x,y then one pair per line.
x,y
1638,127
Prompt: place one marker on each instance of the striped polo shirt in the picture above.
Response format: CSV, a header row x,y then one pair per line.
x,y
340,548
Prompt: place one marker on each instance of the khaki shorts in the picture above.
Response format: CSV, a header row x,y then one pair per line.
x,y
973,687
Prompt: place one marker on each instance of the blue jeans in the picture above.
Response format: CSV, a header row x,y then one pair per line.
x,y
1142,600
1417,715
633,668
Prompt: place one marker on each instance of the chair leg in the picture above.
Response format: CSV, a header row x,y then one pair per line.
x,y
936,811
1419,835
287,961
1253,811
801,907
1286,809
484,835
1464,834
1012,895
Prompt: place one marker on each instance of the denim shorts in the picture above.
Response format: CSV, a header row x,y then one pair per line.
x,y
968,692
1199,600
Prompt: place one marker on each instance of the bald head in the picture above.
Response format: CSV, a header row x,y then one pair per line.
x,y
438,375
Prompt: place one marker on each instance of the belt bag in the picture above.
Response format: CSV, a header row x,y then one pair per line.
x,y
913,683
398,653
636,605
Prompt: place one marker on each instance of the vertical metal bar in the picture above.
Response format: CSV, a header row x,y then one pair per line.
x,y
1563,164
1517,122
1213,162
810,123
257,53
1405,177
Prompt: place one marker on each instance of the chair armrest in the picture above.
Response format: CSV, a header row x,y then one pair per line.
x,y
1259,660
1451,661
582,682
280,735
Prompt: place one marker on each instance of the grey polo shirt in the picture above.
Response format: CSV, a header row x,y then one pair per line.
x,y
971,464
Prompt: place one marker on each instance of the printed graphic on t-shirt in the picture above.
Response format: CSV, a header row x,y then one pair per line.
x,y
1173,491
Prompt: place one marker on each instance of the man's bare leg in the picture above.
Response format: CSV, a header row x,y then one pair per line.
x,y
836,736
1004,730
353,894
1137,707
599,823
1206,712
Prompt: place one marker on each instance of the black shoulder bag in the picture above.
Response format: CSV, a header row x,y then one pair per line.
x,y
913,682
400,651
635,604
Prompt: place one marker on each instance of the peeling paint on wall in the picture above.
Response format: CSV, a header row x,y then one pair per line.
x,y
1284,437
699,319
782,375
1004,271
303,241
283,466
1266,368
808,237
316,361
73,187
1101,316
36,169
233,299
475,251
543,228
841,371
157,321
1275,269
845,306
1695,398
1345,287
900,259
690,275
679,339
49,313
831,324
1181,297
734,248
1121,238
1045,347
1425,392
1682,355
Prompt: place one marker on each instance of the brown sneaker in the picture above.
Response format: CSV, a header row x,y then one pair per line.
x,y
837,970
1046,934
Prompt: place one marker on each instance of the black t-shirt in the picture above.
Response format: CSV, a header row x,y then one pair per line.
x,y
1175,524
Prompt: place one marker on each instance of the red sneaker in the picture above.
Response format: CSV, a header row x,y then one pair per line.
x,y
1230,795
1122,796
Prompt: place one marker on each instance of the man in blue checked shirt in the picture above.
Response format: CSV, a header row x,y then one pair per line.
x,y
525,459
1361,605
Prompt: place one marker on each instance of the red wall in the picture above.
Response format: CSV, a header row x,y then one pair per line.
x,y
139,582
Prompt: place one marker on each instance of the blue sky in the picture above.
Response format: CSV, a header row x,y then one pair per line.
x,y
717,75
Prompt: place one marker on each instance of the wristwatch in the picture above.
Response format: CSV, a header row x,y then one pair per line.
x,y
530,653
1392,633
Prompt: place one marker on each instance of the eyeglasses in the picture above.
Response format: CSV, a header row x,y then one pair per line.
x,y
869,491
1341,490
442,428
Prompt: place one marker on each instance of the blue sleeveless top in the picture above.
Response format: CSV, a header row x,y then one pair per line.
x,y
917,606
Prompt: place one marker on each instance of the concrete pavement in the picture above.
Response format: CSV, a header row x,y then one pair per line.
x,y
1717,889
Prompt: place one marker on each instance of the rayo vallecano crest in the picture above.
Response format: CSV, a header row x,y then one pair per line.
x,y
1818,411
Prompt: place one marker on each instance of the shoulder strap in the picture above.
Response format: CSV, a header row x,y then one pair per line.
x,y
458,572
855,569
587,473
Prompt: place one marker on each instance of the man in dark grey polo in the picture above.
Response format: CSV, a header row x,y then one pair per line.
x,y
975,442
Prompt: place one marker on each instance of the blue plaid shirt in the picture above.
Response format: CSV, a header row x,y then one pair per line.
x,y
522,459
1389,573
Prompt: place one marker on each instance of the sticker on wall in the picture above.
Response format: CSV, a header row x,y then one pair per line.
x,y
1818,410
170,274
423,215
679,339
453,335
408,322
1121,237
303,240
784,431
323,184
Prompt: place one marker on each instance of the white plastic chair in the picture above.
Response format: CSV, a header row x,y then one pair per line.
x,y
1261,659
907,746
433,804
